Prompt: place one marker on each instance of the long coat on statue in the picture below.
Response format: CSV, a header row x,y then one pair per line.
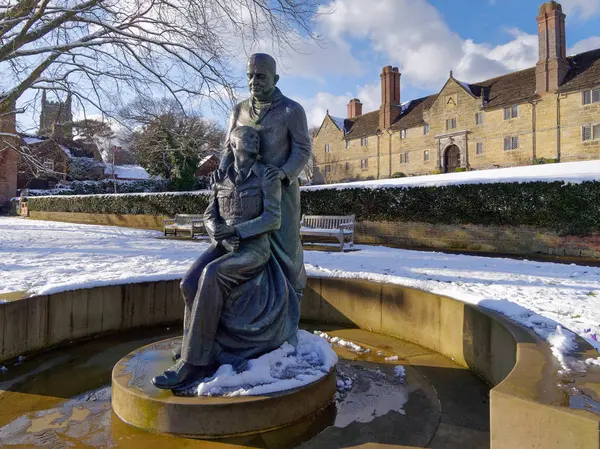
x,y
284,143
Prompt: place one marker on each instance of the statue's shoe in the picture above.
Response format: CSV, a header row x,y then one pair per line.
x,y
180,376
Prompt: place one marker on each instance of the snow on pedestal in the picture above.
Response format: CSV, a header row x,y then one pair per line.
x,y
283,369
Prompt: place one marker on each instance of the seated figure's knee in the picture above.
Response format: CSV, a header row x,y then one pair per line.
x,y
211,270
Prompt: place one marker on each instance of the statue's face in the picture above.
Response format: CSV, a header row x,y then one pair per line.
x,y
261,79
243,149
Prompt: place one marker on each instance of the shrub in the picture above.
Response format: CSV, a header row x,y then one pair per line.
x,y
399,174
167,204
556,206
106,186
83,168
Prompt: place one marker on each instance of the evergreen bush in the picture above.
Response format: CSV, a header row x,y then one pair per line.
x,y
555,206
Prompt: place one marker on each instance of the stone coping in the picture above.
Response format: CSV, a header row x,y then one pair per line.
x,y
530,405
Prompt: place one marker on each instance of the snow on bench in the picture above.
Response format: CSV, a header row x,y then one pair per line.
x,y
340,227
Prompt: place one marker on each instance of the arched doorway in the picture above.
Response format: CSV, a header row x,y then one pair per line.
x,y
451,159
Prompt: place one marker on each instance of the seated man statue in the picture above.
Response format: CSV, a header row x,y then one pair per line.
x,y
238,302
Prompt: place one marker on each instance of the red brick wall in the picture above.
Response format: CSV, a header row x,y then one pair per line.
x,y
8,161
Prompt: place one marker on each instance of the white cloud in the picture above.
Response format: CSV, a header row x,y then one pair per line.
x,y
581,9
591,43
413,35
316,107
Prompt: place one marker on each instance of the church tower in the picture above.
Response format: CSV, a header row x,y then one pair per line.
x,y
56,113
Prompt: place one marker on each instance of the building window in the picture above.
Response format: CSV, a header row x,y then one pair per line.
x,y
511,143
479,118
49,164
511,112
327,169
426,129
364,141
451,123
347,166
347,144
590,132
403,133
404,157
591,96
364,164
327,148
426,155
479,149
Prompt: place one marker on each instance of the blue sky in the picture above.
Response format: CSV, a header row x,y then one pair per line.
x,y
425,39
477,39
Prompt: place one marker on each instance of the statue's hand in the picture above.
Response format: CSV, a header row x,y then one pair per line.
x,y
272,173
223,232
235,243
217,176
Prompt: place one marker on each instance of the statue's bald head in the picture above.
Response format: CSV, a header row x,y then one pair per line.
x,y
263,60
262,76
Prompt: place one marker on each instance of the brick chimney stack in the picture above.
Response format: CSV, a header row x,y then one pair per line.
x,y
552,66
8,159
354,108
390,96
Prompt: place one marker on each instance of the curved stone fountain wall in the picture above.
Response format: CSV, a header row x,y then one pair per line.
x,y
527,409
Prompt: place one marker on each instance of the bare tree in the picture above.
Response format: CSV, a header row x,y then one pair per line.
x,y
102,50
167,141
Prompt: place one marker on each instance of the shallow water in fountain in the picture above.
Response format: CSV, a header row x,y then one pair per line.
x,y
61,399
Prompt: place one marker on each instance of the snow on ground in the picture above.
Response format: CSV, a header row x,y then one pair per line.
x,y
337,341
282,369
573,172
46,257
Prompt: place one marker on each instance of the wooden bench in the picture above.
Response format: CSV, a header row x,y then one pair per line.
x,y
335,226
184,223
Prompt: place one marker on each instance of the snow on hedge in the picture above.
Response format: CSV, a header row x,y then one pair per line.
x,y
572,172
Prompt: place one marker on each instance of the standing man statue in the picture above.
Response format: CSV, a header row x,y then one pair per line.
x,y
285,147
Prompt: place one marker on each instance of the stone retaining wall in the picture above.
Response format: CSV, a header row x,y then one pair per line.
x,y
126,220
521,241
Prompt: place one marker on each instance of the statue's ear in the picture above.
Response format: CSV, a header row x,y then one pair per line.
x,y
276,79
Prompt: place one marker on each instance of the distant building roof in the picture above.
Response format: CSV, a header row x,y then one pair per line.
x,y
132,172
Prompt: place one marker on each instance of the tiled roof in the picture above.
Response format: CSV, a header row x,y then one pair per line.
x,y
508,89
363,125
413,115
585,71
513,88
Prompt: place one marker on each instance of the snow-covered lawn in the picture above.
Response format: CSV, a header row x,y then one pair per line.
x,y
45,257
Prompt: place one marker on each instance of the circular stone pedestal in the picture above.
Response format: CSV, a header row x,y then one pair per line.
x,y
137,402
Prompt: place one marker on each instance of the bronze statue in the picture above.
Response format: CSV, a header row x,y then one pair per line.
x,y
242,295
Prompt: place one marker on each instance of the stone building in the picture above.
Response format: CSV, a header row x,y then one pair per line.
x,y
56,112
547,113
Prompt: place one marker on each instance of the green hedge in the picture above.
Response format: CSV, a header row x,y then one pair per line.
x,y
167,204
555,206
